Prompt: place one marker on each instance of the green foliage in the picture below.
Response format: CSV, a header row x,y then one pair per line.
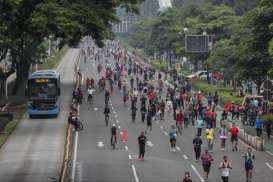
x,y
222,58
223,92
267,118
26,23
158,64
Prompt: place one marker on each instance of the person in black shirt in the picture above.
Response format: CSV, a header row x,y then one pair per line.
x,y
141,142
143,101
113,134
197,142
143,113
133,109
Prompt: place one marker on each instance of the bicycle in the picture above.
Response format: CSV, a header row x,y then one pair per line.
x,y
113,141
106,119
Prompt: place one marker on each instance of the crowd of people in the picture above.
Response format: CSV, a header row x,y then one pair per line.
x,y
145,90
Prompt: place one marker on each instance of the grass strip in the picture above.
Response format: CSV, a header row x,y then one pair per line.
x,y
226,94
54,61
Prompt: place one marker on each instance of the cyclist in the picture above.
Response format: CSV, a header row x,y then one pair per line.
x,y
90,92
234,136
106,114
249,159
107,95
173,135
113,135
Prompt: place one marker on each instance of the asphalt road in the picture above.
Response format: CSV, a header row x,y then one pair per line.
x,y
34,151
97,161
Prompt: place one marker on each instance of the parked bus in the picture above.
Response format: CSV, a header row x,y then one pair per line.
x,y
43,93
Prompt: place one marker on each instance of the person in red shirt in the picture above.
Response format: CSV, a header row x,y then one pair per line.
x,y
234,136
179,120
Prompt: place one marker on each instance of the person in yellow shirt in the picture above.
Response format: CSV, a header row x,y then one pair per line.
x,y
210,137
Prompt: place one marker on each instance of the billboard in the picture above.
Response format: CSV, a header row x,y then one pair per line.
x,y
198,43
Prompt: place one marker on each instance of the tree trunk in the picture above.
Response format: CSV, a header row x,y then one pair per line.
x,y
22,70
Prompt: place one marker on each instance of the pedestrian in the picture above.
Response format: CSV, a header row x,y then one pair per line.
x,y
210,98
162,108
143,111
197,143
199,125
210,137
234,136
206,163
249,159
223,135
225,166
141,142
173,135
187,177
149,118
268,128
216,98
258,125
179,121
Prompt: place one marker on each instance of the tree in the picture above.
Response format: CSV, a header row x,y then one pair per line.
x,y
254,61
223,58
25,24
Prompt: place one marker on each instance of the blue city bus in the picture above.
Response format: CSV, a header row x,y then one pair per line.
x,y
43,93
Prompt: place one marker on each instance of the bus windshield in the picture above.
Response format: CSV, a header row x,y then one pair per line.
x,y
42,89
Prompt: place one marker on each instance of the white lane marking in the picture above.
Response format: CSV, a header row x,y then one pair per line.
x,y
121,133
95,109
165,133
185,157
269,165
130,157
135,174
128,108
100,144
126,148
161,127
117,121
114,112
116,116
270,153
119,127
75,157
178,148
112,108
197,173
149,143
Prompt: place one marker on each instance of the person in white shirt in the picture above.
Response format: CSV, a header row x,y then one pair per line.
x,y
225,166
90,92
